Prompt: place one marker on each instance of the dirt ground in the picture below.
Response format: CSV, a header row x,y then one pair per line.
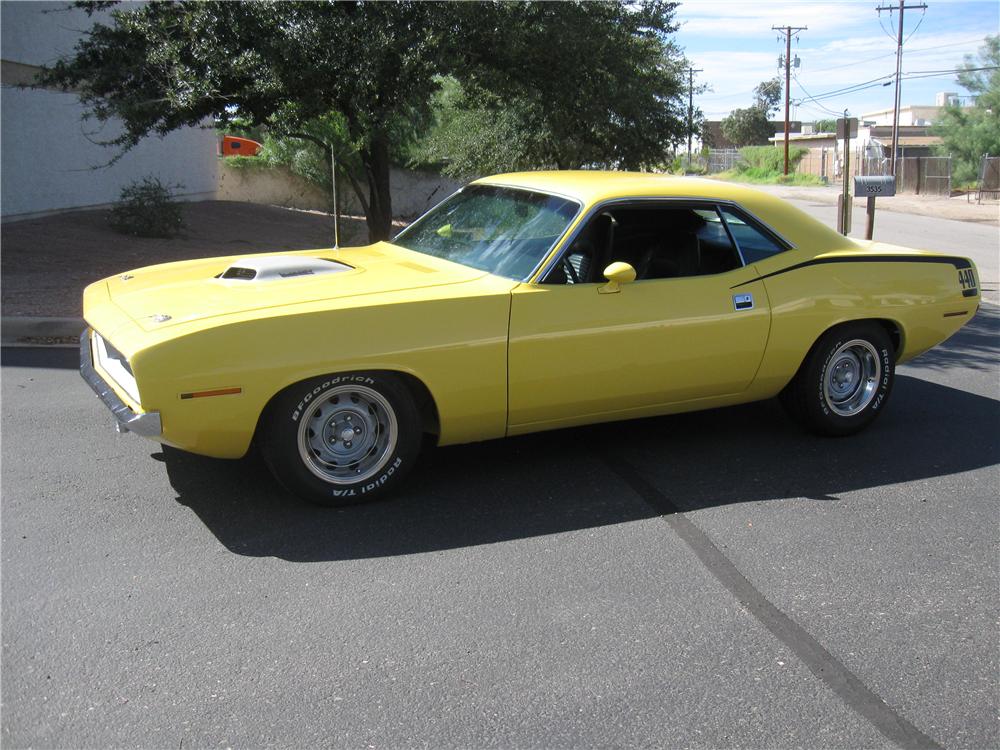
x,y
46,262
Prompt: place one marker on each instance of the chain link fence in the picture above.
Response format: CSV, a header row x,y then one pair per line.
x,y
989,178
722,159
920,175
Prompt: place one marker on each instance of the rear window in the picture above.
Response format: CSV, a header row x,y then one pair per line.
x,y
753,243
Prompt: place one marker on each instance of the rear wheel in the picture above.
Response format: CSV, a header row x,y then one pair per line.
x,y
342,439
845,381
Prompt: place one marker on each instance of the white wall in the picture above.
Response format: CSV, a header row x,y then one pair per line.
x,y
48,153
40,33
412,192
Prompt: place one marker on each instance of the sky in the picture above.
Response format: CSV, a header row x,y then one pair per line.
x,y
844,45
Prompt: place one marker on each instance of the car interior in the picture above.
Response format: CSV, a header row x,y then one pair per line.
x,y
660,243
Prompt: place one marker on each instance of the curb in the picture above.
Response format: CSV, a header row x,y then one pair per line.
x,y
47,332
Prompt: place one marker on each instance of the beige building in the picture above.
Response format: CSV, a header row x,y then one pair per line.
x,y
923,115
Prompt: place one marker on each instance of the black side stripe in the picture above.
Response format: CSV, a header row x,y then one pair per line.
x,y
957,262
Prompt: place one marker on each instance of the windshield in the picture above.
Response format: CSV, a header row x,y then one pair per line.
x,y
497,229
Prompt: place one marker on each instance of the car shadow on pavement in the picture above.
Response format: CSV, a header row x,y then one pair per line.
x,y
559,481
974,346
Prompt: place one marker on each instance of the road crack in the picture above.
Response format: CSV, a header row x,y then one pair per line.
x,y
811,652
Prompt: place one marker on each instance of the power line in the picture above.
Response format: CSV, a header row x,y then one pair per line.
x,y
890,54
923,13
881,81
809,97
954,70
716,97
903,7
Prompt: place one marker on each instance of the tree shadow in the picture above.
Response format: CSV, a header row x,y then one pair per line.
x,y
559,481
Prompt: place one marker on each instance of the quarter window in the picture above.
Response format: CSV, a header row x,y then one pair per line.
x,y
754,244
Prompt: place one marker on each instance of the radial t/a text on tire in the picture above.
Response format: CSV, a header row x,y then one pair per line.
x,y
342,439
845,381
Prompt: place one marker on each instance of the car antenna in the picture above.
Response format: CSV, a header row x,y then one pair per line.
x,y
336,207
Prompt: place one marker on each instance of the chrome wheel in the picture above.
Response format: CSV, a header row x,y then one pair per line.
x,y
347,434
852,377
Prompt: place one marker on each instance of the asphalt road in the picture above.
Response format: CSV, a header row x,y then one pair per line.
x,y
709,580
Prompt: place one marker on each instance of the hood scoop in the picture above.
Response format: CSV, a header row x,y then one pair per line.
x,y
265,268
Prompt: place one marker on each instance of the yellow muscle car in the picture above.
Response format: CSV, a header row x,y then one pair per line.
x,y
523,302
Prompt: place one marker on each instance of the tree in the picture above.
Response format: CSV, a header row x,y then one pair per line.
x,y
752,126
469,140
587,82
970,133
767,95
600,83
747,127
161,66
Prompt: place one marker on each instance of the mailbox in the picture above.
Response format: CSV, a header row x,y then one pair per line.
x,y
875,186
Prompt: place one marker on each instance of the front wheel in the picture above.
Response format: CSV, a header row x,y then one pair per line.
x,y
845,381
342,439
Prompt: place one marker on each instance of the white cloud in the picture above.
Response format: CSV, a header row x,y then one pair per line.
x,y
739,18
834,65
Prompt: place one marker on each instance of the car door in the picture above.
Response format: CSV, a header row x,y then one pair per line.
x,y
577,351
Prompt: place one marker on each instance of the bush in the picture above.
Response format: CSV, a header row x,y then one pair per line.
x,y
761,160
146,208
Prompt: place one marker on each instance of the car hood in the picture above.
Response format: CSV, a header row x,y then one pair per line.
x,y
172,293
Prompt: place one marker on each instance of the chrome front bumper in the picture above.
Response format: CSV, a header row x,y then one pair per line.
x,y
146,424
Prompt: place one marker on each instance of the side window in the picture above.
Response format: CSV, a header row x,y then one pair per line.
x,y
754,244
659,242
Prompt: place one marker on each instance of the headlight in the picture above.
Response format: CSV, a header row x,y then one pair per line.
x,y
113,362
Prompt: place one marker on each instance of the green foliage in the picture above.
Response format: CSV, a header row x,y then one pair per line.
x,y
747,127
766,165
767,96
752,126
769,158
610,93
968,134
576,83
146,208
304,157
767,177
825,126
681,165
468,140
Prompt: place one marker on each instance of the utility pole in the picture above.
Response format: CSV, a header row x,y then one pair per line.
x,y
902,7
788,31
691,72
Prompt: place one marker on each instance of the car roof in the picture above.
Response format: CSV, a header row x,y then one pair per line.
x,y
593,186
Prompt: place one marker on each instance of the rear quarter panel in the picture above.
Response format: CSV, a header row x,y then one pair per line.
x,y
917,293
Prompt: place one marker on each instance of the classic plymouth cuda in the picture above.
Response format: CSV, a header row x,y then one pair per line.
x,y
523,302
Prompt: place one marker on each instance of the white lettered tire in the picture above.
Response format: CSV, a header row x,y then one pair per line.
x,y
342,439
845,381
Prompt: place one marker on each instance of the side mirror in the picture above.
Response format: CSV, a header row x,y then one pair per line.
x,y
617,273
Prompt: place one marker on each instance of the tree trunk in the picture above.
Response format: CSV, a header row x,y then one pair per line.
x,y
378,213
